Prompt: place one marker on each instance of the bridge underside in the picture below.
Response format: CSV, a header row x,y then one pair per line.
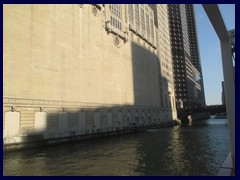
x,y
213,110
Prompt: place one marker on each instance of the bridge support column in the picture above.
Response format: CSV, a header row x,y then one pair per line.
x,y
214,15
229,92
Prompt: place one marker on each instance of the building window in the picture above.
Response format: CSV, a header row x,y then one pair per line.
x,y
147,24
137,16
156,37
115,10
130,12
142,20
116,15
152,30
125,13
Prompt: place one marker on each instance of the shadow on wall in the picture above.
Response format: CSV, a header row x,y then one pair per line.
x,y
57,123
146,71
150,88
70,124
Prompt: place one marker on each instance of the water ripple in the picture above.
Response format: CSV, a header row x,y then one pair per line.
x,y
198,149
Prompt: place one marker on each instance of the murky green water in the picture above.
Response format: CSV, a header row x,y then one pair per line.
x,y
197,149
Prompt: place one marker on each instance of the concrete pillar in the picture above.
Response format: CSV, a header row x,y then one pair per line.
x,y
109,120
103,121
120,120
40,123
12,124
82,122
63,123
97,121
215,16
129,119
229,86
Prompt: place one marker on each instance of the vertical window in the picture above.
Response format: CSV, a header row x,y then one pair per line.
x,y
157,38
125,13
142,21
137,16
152,30
116,15
130,12
147,24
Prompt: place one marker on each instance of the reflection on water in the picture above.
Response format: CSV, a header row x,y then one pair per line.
x,y
196,149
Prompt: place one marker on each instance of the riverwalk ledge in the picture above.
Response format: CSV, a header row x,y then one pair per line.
x,y
227,168
38,140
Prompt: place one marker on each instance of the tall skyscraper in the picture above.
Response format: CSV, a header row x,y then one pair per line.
x,y
187,70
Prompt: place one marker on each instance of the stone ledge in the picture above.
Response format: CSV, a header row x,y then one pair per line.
x,y
224,172
227,168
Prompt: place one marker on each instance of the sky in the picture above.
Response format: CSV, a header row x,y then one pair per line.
x,y
210,52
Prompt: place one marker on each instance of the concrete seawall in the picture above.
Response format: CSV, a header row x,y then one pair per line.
x,y
28,125
33,141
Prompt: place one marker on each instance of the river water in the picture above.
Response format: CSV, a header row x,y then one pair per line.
x,y
194,149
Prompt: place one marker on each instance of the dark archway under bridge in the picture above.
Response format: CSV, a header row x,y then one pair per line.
x,y
183,113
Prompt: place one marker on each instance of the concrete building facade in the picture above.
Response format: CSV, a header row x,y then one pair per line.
x,y
165,55
79,69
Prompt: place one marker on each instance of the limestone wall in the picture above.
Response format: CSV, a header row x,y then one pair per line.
x,y
28,124
65,74
63,52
